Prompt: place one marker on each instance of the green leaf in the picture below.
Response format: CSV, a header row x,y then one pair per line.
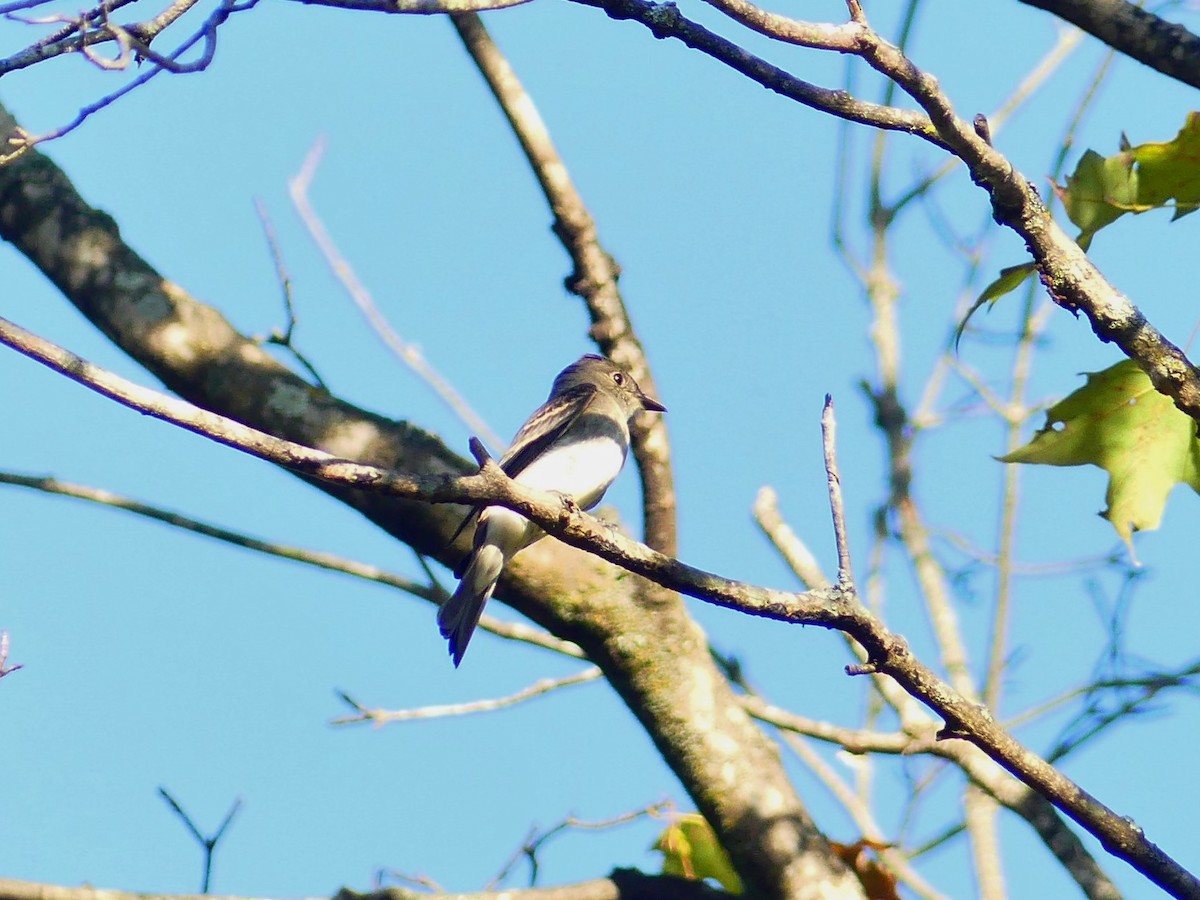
x,y
1136,179
1100,191
1117,421
690,849
1010,279
1171,170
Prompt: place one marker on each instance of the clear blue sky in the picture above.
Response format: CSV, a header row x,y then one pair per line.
x,y
157,658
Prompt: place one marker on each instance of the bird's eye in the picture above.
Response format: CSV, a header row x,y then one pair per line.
x,y
619,378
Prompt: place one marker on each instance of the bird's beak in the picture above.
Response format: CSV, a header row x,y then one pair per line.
x,y
651,404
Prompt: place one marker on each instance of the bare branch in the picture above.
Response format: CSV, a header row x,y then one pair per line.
x,y
407,353
1073,281
20,141
837,506
537,689
316,558
513,631
209,844
793,550
665,21
277,337
533,844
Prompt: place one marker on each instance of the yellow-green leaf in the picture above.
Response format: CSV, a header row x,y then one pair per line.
x,y
1171,170
690,849
1117,421
1100,191
1009,280
1135,179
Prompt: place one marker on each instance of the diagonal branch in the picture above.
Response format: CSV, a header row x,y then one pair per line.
x,y
834,608
1073,281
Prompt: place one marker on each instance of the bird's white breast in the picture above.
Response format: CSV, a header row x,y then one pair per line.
x,y
583,469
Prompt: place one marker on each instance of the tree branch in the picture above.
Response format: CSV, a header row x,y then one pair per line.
x,y
1072,280
834,608
1166,47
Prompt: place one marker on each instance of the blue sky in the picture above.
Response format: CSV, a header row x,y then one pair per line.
x,y
153,657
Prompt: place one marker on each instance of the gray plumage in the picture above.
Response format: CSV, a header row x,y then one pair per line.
x,y
575,444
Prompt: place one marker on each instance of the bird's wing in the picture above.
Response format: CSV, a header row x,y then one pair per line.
x,y
545,427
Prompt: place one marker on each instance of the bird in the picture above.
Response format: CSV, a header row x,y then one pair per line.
x,y
573,444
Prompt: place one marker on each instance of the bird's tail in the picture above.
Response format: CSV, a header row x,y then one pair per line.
x,y
460,614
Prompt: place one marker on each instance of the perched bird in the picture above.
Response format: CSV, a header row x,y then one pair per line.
x,y
575,443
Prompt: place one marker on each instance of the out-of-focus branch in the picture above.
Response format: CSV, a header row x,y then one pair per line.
x,y
533,844
594,278
16,141
1167,47
407,353
94,27
658,663
316,558
919,734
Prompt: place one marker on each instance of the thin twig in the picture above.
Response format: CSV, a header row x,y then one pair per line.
x,y
208,843
836,504
532,845
513,631
277,337
21,140
386,716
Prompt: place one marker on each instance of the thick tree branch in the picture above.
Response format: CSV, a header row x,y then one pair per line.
x,y
665,21
1166,47
834,607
